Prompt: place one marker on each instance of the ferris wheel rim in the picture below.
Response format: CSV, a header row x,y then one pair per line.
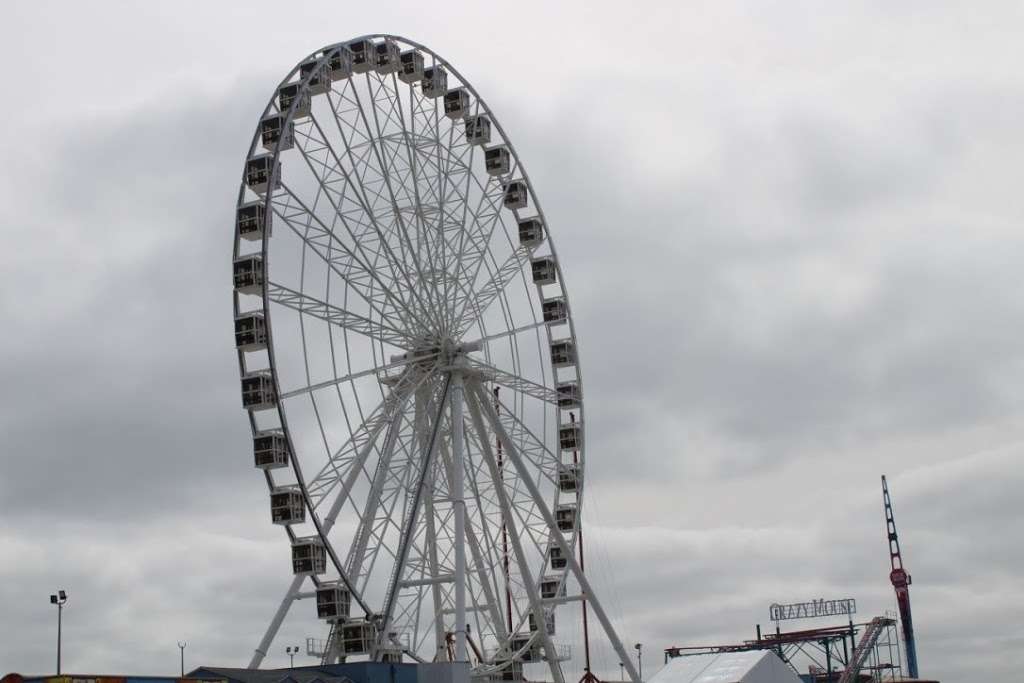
x,y
266,301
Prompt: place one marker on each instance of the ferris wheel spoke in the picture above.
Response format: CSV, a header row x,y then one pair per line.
x,y
316,144
356,375
386,164
427,136
322,310
507,333
474,401
484,569
413,159
409,523
389,487
383,495
473,246
514,382
323,241
476,304
474,240
365,206
322,163
398,265
366,434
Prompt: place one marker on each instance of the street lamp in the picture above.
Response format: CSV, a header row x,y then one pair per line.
x,y
181,646
59,599
622,671
639,660
291,652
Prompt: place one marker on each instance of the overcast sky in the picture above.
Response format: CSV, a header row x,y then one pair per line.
x,y
793,244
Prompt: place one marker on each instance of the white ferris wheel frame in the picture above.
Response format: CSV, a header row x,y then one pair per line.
x,y
463,390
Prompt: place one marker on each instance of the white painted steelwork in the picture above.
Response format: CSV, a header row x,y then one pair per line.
x,y
399,288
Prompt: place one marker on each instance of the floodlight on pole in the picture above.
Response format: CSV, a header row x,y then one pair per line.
x,y
59,599
181,646
639,660
291,652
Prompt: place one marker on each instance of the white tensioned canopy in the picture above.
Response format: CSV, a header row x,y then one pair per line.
x,y
409,365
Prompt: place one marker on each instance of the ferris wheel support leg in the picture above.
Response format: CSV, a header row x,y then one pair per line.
x,y
422,433
524,473
529,584
459,505
261,650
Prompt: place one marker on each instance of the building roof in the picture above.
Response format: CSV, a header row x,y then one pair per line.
x,y
755,666
297,675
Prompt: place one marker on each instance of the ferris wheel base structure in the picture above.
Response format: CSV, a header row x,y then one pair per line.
x,y
411,371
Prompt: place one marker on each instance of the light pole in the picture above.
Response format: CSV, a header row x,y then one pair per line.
x,y
181,646
59,599
622,671
639,660
291,652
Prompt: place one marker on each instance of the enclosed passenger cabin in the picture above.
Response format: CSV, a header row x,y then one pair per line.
x,y
456,103
497,160
549,622
568,478
308,556
435,81
551,587
258,172
357,637
275,133
521,640
363,55
248,274
319,75
565,517
290,92
339,63
554,310
556,557
531,232
563,353
270,450
250,332
570,436
251,221
478,129
258,391
287,506
545,271
386,60
515,195
568,394
333,601
411,66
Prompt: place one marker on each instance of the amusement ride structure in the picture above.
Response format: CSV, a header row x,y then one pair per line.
x,y
410,368
900,582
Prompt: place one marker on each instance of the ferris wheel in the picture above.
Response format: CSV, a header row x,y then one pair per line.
x,y
409,366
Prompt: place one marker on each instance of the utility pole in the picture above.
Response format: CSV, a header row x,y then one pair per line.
x,y
181,646
59,599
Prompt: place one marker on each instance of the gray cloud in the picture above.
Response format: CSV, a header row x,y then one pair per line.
x,y
792,261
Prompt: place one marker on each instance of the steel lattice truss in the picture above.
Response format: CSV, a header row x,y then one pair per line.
x,y
409,364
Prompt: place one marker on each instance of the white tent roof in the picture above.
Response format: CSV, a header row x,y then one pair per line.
x,y
756,666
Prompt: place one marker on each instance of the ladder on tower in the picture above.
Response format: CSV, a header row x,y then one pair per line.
x,y
864,648
330,646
